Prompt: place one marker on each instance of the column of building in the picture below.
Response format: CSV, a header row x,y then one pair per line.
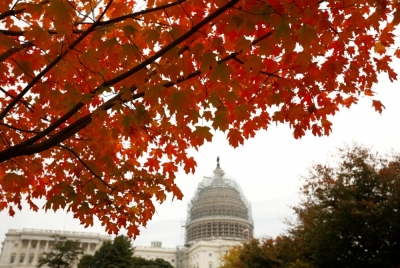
x,y
28,249
18,251
35,257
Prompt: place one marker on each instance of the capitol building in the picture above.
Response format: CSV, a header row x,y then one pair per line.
x,y
219,217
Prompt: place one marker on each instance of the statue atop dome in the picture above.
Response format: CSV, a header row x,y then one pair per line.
x,y
218,172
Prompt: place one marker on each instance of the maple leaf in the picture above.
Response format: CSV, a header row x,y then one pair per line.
x,y
62,14
378,106
201,134
307,35
189,165
235,137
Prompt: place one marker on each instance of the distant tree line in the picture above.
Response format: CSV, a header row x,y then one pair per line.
x,y
116,254
349,216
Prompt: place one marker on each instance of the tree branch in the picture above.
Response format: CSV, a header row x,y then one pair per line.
x,y
13,12
86,166
50,66
13,50
28,146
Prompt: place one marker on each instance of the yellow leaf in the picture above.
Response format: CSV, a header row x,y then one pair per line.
x,y
379,48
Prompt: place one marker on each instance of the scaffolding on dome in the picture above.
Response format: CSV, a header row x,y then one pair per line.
x,y
219,210
207,183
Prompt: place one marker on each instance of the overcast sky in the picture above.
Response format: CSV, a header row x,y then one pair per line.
x,y
267,167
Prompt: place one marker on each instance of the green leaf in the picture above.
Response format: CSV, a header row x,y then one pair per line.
x,y
254,64
221,73
179,101
129,30
209,61
282,30
307,35
242,45
221,121
202,134
55,202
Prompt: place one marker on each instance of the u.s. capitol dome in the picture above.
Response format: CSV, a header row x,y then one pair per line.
x,y
218,210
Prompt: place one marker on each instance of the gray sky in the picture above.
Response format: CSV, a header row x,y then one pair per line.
x,y
267,167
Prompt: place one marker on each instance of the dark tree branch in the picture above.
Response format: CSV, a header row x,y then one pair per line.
x,y
13,12
13,50
86,166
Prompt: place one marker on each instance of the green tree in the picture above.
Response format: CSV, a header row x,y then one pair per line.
x,y
64,255
350,213
157,263
115,254
119,254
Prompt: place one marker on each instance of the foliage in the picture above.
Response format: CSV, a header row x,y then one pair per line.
x,y
115,254
139,262
119,254
256,253
349,217
64,255
350,213
101,100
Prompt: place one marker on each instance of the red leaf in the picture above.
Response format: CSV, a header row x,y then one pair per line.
x,y
378,106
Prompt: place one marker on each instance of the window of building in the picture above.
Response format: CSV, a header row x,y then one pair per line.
x,y
210,265
210,254
173,260
22,257
12,259
31,258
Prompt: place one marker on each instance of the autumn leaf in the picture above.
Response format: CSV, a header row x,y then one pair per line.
x,y
379,48
201,134
235,137
7,41
378,106
62,14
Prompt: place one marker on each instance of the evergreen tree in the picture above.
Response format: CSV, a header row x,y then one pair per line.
x,y
64,255
115,254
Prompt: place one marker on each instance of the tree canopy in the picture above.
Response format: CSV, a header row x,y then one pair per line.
x,y
349,217
101,99
119,254
65,254
350,214
115,254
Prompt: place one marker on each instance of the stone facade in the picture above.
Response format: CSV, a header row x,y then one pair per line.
x,y
24,248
